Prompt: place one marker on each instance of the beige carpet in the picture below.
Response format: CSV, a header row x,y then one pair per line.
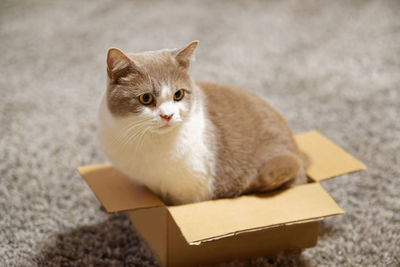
x,y
329,65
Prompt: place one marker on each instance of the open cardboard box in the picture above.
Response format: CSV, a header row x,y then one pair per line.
x,y
225,229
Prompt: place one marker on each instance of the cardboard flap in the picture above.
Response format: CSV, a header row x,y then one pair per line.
x,y
327,159
224,217
115,191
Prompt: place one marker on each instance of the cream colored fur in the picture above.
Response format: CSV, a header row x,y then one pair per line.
x,y
177,165
219,140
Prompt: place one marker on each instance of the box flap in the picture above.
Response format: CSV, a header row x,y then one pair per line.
x,y
115,191
327,159
215,219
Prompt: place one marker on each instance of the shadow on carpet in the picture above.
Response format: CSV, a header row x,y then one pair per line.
x,y
113,242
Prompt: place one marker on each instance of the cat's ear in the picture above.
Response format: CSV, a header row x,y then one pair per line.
x,y
184,55
118,64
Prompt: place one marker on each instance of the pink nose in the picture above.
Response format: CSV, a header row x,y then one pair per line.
x,y
166,117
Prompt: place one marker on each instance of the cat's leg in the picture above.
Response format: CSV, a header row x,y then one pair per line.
x,y
277,171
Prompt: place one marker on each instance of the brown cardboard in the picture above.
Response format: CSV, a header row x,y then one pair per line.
x,y
224,229
328,160
264,242
116,191
166,240
152,225
296,204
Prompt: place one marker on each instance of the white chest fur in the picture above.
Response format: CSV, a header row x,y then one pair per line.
x,y
177,165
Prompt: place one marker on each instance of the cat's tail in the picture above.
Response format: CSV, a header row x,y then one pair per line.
x,y
305,159
301,176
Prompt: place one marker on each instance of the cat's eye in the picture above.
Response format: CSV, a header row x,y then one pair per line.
x,y
146,99
179,94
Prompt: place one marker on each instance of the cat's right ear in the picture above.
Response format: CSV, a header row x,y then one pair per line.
x,y
118,64
184,55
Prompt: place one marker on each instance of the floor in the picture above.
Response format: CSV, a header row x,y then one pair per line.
x,y
332,66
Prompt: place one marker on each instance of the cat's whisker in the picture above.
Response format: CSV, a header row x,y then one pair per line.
x,y
117,139
137,138
138,122
140,130
128,138
141,137
138,133
122,139
135,124
132,126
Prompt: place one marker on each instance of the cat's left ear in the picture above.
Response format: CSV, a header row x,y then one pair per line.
x,y
184,55
118,64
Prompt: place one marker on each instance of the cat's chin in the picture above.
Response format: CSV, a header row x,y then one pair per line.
x,y
164,129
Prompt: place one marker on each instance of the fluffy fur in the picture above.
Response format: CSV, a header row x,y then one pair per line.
x,y
177,164
218,141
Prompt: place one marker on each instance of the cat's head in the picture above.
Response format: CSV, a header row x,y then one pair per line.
x,y
152,89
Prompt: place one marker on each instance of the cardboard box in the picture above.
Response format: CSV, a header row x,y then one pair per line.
x,y
226,229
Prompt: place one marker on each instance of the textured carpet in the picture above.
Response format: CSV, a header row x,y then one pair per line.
x,y
332,65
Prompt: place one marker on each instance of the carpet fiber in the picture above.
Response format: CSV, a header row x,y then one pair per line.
x,y
332,66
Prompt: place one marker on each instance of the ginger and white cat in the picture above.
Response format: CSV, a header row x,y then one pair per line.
x,y
191,141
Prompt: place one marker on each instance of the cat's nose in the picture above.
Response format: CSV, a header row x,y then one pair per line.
x,y
166,117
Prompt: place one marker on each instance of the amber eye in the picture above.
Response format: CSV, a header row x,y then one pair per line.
x,y
146,99
179,94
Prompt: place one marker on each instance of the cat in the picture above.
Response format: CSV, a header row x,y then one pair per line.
x,y
191,141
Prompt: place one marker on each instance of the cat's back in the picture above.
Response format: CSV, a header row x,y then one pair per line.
x,y
241,113
225,97
245,126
